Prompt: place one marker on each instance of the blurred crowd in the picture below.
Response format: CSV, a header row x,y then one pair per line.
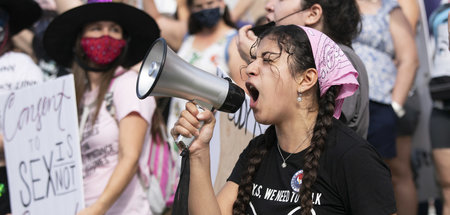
x,y
378,36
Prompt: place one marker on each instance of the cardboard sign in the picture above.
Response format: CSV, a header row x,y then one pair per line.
x,y
40,131
232,133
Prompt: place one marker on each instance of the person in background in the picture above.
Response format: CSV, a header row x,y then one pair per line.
x,y
340,20
208,45
440,114
387,47
404,187
99,41
320,165
173,29
239,10
17,70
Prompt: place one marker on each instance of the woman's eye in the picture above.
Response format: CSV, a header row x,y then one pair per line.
x,y
267,60
270,57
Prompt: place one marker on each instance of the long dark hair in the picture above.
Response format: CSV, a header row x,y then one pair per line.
x,y
194,27
159,127
294,41
342,20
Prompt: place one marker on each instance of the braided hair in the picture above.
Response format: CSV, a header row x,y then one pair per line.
x,y
323,124
245,186
294,41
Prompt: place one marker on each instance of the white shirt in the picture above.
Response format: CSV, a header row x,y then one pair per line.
x,y
18,70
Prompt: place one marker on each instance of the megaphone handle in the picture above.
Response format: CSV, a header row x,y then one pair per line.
x,y
185,142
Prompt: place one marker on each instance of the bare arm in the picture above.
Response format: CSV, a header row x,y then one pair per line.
x,y
183,10
412,12
23,41
227,196
244,41
150,8
171,29
64,5
235,64
202,199
240,8
201,193
132,129
405,55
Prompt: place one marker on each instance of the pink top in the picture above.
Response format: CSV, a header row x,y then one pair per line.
x,y
100,144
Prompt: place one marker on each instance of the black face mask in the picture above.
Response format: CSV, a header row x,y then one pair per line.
x,y
258,30
207,18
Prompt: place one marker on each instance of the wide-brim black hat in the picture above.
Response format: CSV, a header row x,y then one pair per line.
x,y
22,14
62,32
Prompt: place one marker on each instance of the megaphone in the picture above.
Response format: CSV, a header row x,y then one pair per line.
x,y
164,73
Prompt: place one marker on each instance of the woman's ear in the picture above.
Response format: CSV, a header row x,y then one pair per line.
x,y
314,18
307,80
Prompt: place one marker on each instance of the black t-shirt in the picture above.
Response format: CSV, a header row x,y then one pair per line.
x,y
352,178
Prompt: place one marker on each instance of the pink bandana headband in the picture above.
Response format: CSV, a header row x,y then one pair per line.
x,y
333,67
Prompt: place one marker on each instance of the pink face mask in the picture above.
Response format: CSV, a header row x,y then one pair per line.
x,y
102,50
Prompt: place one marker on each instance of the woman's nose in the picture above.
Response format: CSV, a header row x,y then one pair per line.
x,y
252,69
105,32
269,6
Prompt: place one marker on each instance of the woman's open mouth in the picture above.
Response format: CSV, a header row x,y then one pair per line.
x,y
254,93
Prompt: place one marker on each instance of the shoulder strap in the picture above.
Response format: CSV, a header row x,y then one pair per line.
x,y
84,118
109,102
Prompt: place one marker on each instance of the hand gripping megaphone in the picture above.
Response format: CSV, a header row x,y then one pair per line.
x,y
164,73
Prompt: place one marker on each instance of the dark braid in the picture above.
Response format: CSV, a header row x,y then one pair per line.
x,y
311,160
245,186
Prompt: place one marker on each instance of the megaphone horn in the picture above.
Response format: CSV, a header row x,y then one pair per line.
x,y
164,73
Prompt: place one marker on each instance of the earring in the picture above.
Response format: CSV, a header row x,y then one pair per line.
x,y
299,97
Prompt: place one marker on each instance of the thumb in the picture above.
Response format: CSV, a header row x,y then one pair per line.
x,y
251,35
206,116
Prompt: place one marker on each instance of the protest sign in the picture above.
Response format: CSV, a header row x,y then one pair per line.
x,y
40,131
